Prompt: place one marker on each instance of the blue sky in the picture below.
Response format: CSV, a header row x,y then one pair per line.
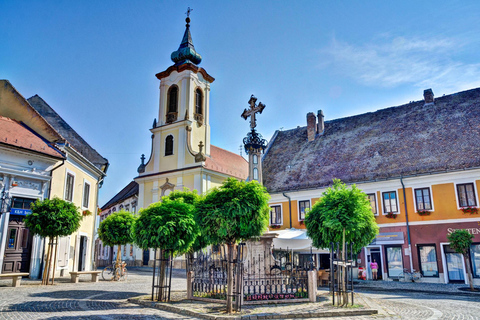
x,y
95,62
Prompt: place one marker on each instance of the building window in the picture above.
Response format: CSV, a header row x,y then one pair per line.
x,y
304,206
255,174
255,159
423,199
69,187
172,99
373,202
428,260
198,101
22,203
394,261
389,202
275,215
466,195
86,194
169,145
475,259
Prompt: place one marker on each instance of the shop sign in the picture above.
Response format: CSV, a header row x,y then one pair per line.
x,y
472,231
20,212
389,238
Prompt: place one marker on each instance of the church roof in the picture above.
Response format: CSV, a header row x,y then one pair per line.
x,y
16,134
186,51
129,191
227,162
71,136
415,138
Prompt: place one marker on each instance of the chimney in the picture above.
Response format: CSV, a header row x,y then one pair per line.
x,y
321,124
311,126
428,96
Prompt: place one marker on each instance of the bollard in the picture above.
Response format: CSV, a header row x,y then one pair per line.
x,y
312,286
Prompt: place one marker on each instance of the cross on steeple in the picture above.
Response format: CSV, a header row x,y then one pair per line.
x,y
188,12
253,110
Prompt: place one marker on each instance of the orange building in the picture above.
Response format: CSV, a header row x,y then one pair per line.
x,y
419,165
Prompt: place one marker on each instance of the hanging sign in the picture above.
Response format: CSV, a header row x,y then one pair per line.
x,y
20,212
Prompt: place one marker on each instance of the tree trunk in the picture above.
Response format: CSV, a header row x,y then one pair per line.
x,y
50,260
55,260
46,266
230,279
116,276
469,272
163,263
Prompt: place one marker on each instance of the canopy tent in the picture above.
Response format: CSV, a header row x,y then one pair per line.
x,y
294,239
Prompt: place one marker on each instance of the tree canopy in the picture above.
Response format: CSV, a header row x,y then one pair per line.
x,y
460,241
117,229
169,224
53,218
235,211
338,208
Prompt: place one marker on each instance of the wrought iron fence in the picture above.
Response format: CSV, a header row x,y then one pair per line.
x,y
341,279
162,275
209,275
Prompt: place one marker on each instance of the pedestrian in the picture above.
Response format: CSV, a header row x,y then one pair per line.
x,y
374,267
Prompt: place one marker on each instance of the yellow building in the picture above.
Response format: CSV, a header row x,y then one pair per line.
x,y
76,178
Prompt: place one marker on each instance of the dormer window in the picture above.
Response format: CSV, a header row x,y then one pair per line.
x,y
172,108
169,145
198,116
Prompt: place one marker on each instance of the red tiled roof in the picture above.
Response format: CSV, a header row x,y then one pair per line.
x,y
227,162
14,133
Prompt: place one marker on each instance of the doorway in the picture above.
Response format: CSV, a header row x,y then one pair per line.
x,y
375,255
82,253
18,247
454,262
146,257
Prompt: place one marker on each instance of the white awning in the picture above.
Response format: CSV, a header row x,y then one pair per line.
x,y
294,239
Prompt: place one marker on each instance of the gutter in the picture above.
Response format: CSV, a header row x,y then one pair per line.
x,y
289,208
408,225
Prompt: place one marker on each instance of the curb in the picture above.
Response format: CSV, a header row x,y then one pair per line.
x,y
456,293
321,314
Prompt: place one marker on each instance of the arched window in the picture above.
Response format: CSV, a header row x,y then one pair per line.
x,y
198,101
255,174
169,145
172,99
255,159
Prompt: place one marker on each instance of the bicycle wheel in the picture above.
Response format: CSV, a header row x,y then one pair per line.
x,y
124,274
108,274
403,276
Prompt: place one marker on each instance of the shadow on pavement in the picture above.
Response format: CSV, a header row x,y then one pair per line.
x,y
56,306
83,294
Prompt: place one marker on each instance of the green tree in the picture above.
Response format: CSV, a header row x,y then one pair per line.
x,y
461,242
342,214
235,211
117,230
52,219
167,225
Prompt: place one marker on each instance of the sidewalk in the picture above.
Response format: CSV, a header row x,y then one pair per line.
x,y
419,286
209,310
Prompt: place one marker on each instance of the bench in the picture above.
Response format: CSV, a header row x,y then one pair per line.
x,y
17,277
76,274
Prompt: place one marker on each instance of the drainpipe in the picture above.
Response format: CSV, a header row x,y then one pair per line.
x,y
289,208
408,226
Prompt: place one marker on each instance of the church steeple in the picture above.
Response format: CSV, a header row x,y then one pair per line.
x,y
186,51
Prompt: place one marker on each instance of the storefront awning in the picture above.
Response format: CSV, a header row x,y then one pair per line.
x,y
388,238
294,239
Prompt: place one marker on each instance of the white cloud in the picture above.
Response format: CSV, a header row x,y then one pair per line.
x,y
391,62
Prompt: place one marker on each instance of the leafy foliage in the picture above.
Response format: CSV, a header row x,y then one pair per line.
x,y
338,208
53,218
460,241
117,229
235,211
169,224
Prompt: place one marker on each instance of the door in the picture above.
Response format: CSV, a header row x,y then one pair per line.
x,y
146,257
18,247
377,258
82,253
454,265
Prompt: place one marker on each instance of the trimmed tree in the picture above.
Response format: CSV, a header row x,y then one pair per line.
x,y
341,215
117,230
235,211
461,242
167,225
52,219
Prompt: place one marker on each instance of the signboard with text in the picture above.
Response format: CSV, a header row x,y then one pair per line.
x,y
20,212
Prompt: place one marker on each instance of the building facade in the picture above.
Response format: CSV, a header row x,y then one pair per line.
x,y
418,164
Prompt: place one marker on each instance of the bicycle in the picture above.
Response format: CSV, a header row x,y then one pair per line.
x,y
410,275
115,272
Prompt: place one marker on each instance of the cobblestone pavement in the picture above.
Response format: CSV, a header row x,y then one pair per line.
x,y
108,300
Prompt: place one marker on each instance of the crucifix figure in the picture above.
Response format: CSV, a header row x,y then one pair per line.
x,y
253,110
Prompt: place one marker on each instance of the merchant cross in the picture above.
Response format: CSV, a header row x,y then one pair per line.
x,y
253,110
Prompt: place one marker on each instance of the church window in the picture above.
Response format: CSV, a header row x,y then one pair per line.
x,y
169,145
255,173
255,159
198,101
172,99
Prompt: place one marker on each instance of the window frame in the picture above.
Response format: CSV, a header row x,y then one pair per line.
x,y
85,184
166,143
386,258
416,202
374,194
24,202
281,215
420,260
169,98
198,102
300,209
385,212
457,194
72,191
255,174
472,260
